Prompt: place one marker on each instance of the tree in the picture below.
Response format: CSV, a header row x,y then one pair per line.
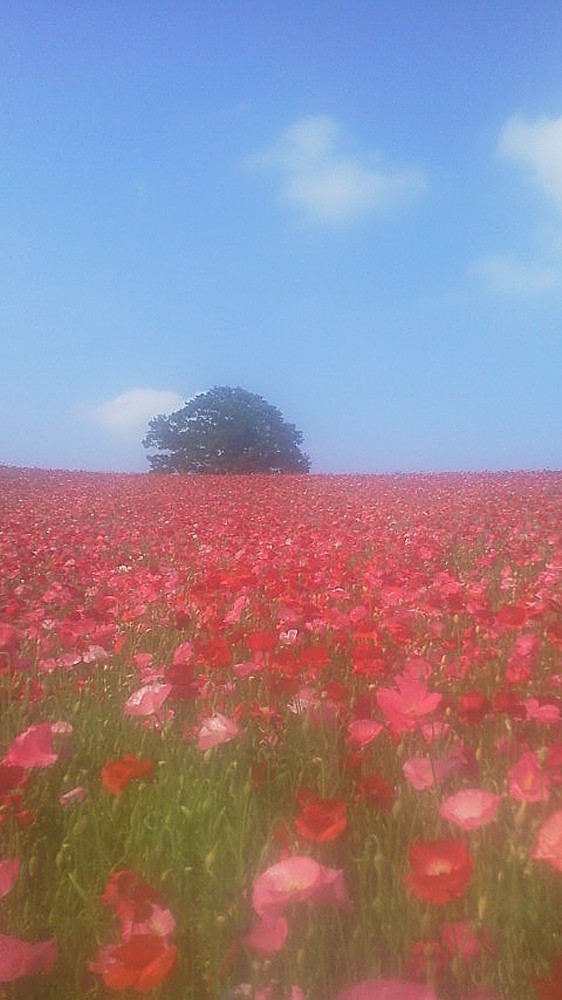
x,y
225,430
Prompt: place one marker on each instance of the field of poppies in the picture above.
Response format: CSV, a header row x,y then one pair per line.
x,y
280,738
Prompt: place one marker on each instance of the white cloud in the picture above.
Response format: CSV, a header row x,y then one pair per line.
x,y
507,275
537,145
328,185
127,416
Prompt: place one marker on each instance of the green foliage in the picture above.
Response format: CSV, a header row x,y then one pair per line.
x,y
225,430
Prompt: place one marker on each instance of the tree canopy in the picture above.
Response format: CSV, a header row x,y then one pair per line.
x,y
225,430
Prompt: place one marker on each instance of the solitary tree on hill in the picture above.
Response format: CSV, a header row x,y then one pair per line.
x,y
225,430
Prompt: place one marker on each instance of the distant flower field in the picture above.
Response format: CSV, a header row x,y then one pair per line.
x,y
280,737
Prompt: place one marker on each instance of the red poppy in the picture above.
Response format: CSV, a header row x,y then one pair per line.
x,y
180,677
473,706
261,642
550,989
117,774
320,820
12,776
216,652
140,964
440,870
376,791
131,898
427,959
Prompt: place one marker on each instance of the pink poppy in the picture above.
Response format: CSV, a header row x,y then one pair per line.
x,y
296,879
361,732
32,748
9,871
21,958
545,715
246,668
425,772
548,843
527,780
332,889
387,989
470,808
412,701
215,730
73,796
234,615
268,935
147,700
290,881
183,654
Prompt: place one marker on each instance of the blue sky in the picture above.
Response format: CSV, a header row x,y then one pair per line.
x,y
351,208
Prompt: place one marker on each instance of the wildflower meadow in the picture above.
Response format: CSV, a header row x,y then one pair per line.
x,y
280,737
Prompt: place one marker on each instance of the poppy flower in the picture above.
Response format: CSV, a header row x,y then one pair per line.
x,y
147,700
361,732
215,652
215,730
404,707
332,890
294,880
548,843
550,989
527,780
545,715
459,938
470,808
290,881
32,748
21,958
139,964
473,706
427,960
268,935
180,677
9,639
320,820
425,772
183,654
261,642
74,795
12,776
117,774
440,870
375,791
131,898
